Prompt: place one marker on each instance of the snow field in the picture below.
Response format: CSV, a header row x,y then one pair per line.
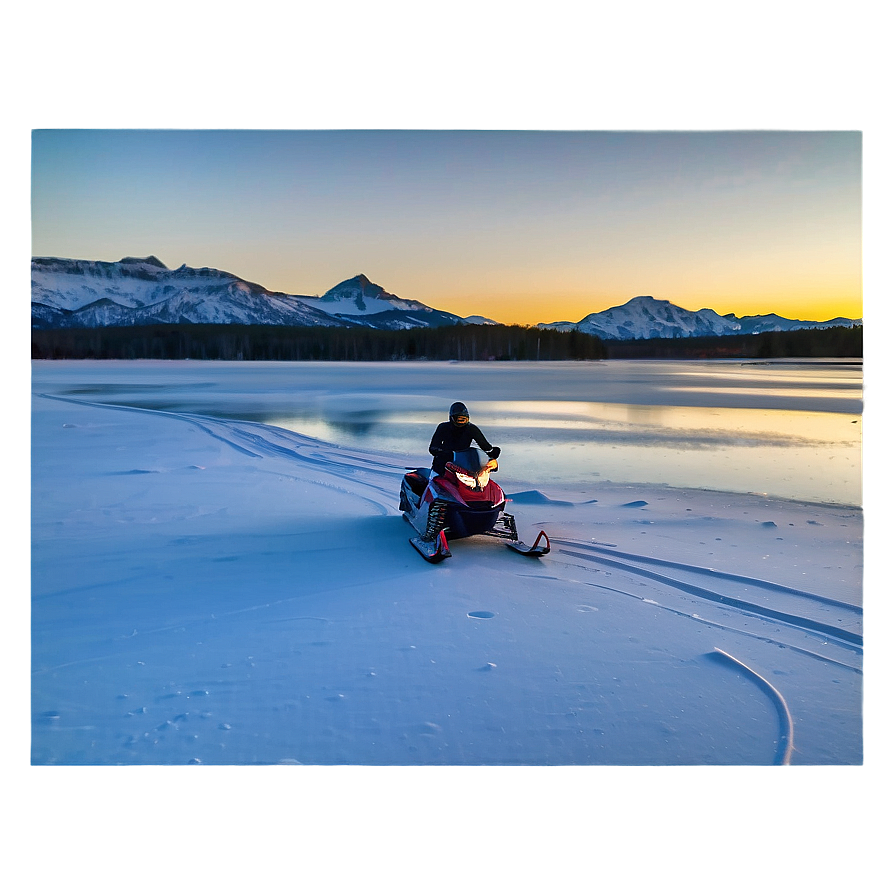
x,y
228,593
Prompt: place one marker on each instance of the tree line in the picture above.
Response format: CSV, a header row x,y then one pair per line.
x,y
831,342
465,342
235,342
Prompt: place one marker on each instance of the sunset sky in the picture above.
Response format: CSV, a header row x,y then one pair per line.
x,y
520,226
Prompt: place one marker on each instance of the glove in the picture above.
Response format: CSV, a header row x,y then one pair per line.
x,y
493,454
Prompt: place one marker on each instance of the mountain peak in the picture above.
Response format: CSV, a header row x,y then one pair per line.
x,y
357,289
150,259
363,282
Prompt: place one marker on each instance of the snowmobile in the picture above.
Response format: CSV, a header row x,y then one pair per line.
x,y
461,502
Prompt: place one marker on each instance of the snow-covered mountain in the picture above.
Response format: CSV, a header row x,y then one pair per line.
x,y
358,302
645,317
75,293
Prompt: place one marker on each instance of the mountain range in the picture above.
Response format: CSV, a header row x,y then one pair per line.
x,y
73,293
645,317
68,293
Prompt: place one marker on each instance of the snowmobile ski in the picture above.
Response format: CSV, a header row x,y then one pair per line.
x,y
434,551
535,549
505,527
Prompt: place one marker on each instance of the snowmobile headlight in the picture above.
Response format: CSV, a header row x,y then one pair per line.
x,y
465,478
483,476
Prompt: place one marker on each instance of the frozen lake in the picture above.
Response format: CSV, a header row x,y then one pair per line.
x,y
223,592
782,429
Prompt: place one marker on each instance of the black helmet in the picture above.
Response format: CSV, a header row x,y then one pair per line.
x,y
459,414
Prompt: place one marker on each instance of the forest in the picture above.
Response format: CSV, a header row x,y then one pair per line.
x,y
832,342
234,342
465,342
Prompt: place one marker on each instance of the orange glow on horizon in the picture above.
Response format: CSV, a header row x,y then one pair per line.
x,y
549,296
529,310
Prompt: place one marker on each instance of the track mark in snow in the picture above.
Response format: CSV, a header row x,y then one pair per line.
x,y
272,441
708,571
785,747
728,628
68,592
807,619
481,614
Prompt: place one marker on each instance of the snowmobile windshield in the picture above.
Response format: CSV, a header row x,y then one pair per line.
x,y
471,460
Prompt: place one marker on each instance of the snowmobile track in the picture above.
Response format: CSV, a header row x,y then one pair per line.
x,y
713,573
785,750
810,612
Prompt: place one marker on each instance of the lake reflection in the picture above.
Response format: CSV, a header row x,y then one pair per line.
x,y
808,455
791,430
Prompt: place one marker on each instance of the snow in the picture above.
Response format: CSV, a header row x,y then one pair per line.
x,y
223,593
358,305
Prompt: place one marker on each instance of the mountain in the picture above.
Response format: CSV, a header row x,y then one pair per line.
x,y
358,302
645,317
74,293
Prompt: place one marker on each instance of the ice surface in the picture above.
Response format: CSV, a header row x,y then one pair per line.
x,y
225,592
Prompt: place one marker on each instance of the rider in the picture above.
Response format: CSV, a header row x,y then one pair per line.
x,y
456,434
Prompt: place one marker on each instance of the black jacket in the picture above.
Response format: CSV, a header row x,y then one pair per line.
x,y
449,438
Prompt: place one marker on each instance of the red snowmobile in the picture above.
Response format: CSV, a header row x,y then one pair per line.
x,y
463,501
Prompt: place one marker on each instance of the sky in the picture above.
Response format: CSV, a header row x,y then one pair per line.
x,y
521,226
